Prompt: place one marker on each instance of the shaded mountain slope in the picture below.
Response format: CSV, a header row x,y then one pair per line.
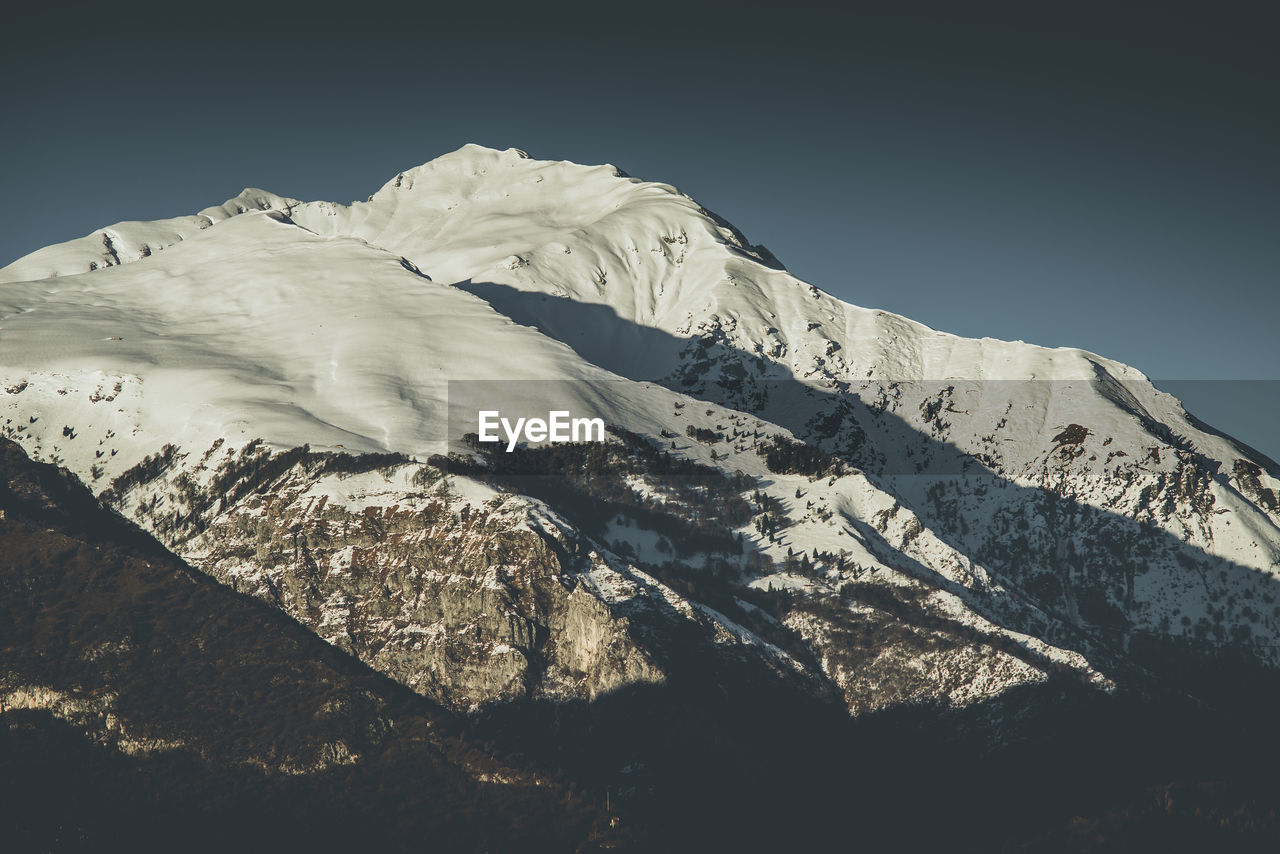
x,y
146,706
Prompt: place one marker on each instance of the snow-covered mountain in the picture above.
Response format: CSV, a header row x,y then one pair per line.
x,y
852,504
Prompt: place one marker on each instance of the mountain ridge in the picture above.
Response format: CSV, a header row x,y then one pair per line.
x,y
859,509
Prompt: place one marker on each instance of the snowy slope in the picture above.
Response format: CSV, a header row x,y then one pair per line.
x,y
126,242
262,329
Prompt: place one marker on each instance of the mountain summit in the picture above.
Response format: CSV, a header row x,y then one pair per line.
x,y
834,512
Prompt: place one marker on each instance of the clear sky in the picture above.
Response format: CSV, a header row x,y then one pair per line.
x,y
1099,175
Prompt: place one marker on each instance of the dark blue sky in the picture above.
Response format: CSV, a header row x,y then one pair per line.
x,y
1100,175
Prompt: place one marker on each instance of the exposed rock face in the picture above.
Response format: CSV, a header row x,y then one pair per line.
x,y
468,595
470,600
475,597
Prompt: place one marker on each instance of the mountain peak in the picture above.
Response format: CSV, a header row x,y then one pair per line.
x,y
472,161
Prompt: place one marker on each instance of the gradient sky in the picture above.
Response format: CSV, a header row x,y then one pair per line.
x,y
1099,175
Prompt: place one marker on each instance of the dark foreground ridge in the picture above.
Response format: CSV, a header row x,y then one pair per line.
x,y
150,708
